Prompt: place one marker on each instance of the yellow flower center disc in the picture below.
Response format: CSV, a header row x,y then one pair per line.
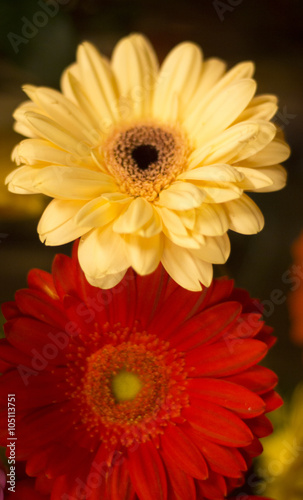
x,y
125,386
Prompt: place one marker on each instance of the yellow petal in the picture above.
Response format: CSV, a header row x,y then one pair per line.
x,y
144,254
172,221
276,151
184,268
152,227
212,70
221,111
98,82
235,144
136,68
57,225
244,216
181,196
222,148
188,218
187,241
15,180
21,125
262,107
220,193
278,176
53,132
102,252
99,212
240,71
214,249
211,220
62,111
74,90
184,60
65,82
216,173
68,183
266,133
107,280
40,151
137,214
253,179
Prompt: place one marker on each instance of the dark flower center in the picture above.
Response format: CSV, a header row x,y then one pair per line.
x,y
145,158
144,155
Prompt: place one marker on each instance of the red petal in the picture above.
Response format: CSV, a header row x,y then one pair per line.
x,y
217,423
4,367
42,427
10,310
100,468
173,311
34,303
41,390
57,463
258,379
119,484
11,355
247,326
221,459
220,291
213,488
249,304
76,485
38,340
179,449
63,275
205,326
36,463
44,485
226,461
43,282
232,396
181,485
260,426
147,472
121,300
272,400
265,335
253,450
221,359
150,294
26,489
82,317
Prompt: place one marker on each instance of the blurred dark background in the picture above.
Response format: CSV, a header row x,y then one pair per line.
x,y
38,38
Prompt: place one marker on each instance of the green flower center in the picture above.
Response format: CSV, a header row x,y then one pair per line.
x,y
125,386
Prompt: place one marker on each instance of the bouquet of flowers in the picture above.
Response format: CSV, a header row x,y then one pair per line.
x,y
129,372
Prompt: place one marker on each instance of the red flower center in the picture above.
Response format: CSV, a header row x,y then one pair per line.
x,y
130,387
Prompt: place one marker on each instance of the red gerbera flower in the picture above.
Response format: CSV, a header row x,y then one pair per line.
x,y
145,391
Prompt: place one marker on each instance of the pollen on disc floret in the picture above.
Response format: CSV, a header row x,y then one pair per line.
x,y
156,393
145,157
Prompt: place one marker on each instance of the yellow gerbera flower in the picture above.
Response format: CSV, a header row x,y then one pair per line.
x,y
148,164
